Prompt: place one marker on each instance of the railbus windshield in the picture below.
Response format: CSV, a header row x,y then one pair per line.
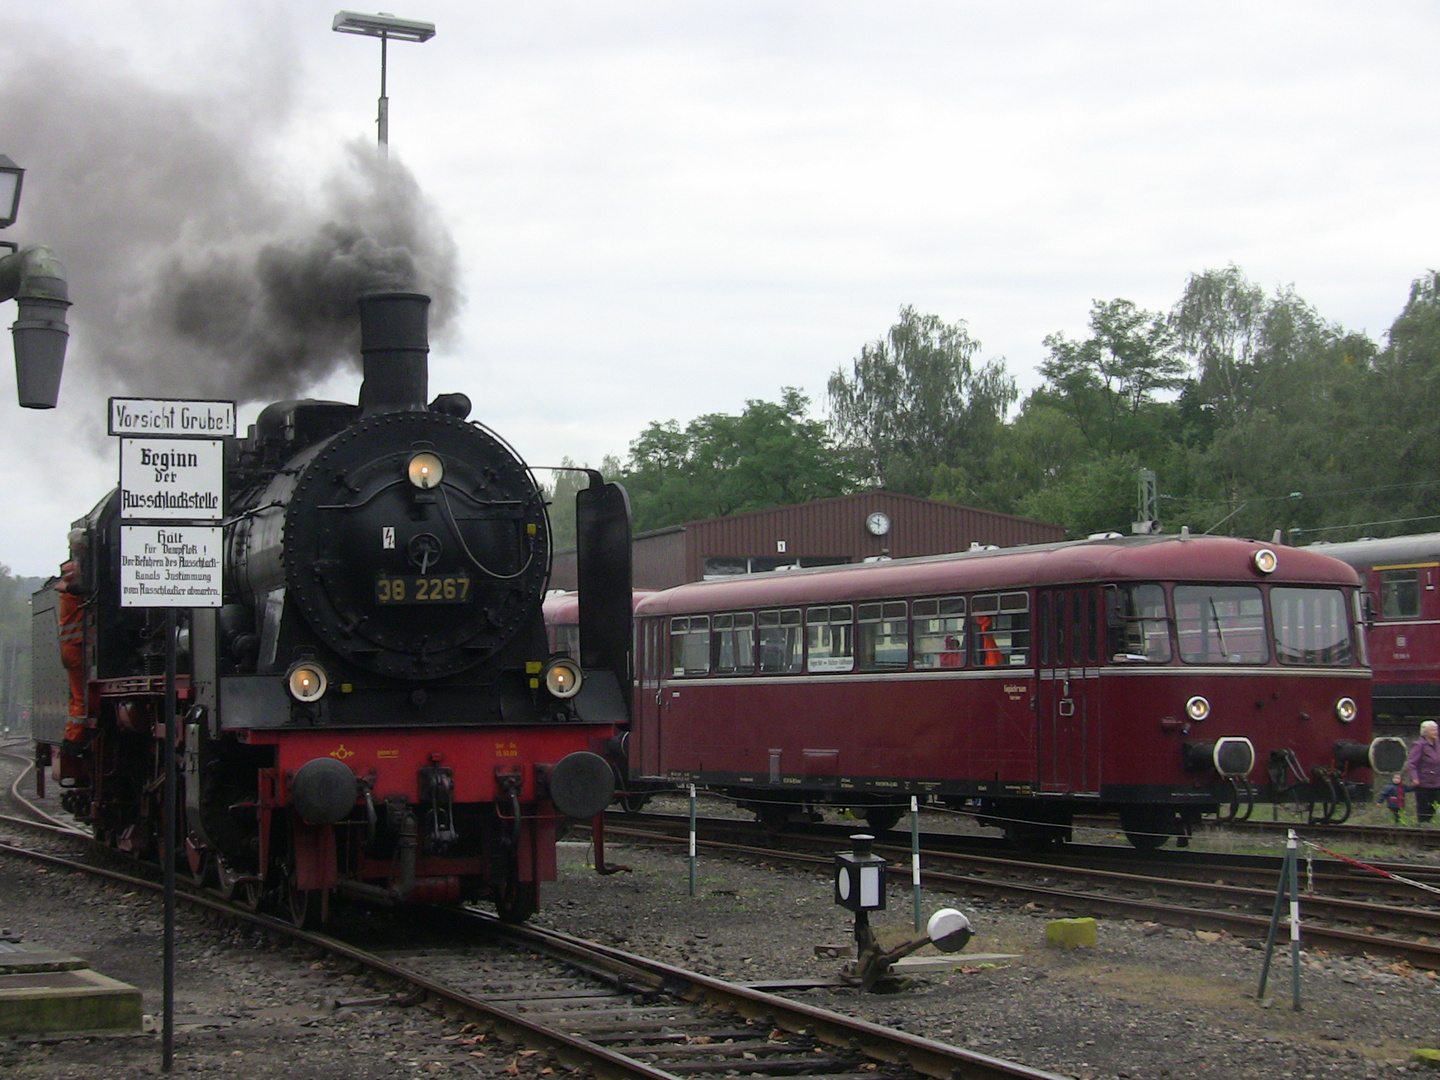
x,y
1312,627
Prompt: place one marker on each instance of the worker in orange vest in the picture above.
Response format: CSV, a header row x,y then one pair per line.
x,y
71,614
989,650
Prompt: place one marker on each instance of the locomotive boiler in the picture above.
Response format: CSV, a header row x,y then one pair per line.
x,y
374,711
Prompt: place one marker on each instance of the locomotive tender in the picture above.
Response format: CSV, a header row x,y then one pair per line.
x,y
374,710
1159,678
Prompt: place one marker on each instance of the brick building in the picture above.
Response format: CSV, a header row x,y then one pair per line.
x,y
850,528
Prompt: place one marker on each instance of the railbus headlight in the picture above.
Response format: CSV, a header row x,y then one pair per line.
x,y
307,681
1346,710
1197,708
563,677
425,470
1266,561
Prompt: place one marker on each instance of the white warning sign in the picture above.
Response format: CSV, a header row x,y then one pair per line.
x,y
171,565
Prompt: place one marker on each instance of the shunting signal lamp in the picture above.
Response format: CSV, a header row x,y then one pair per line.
x,y
860,876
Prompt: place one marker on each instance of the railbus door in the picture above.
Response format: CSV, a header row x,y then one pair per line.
x,y
646,758
1068,665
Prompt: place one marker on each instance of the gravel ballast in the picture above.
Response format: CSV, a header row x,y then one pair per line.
x,y
1144,1001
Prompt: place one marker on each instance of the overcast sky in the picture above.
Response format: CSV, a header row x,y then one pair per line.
x,y
647,211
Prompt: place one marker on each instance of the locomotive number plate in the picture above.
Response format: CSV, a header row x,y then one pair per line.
x,y
422,589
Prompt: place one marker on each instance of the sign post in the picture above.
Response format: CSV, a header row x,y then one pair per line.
x,y
172,500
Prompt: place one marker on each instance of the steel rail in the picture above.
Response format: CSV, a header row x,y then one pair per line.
x,y
1421,954
631,972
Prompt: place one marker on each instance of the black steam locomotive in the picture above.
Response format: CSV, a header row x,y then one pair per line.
x,y
374,711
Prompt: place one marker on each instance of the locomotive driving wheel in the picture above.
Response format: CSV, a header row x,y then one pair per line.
x,y
202,874
517,900
304,906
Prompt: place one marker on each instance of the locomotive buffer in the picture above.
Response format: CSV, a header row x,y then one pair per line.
x,y
172,500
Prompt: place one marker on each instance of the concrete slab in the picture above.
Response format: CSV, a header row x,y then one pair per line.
x,y
18,958
42,990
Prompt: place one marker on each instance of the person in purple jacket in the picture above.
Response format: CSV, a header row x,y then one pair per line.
x,y
1422,770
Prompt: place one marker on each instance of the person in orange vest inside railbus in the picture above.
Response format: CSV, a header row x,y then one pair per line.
x,y
71,614
988,648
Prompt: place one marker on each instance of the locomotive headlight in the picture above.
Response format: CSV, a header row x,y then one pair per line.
x,y
1197,708
1266,561
425,470
1346,710
563,677
307,681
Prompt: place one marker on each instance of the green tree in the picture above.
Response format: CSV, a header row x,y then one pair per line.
x,y
1396,429
1094,495
1219,323
15,637
771,454
1282,389
1109,383
917,401
560,494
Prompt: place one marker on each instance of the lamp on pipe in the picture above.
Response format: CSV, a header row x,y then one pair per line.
x,y
11,177
35,278
384,26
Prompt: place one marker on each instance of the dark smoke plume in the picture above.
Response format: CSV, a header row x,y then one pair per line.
x,y
195,272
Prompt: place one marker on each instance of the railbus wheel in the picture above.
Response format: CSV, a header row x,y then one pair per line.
x,y
1147,827
883,818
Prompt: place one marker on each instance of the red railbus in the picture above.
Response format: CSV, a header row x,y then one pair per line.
x,y
1160,678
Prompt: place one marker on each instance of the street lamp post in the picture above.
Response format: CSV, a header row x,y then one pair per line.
x,y
384,26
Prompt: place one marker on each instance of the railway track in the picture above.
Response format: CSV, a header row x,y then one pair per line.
x,y
1206,892
595,1007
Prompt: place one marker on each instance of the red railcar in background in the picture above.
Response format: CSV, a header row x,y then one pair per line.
x,y
1160,678
1400,576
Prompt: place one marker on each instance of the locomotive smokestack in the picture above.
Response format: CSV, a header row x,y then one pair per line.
x,y
395,348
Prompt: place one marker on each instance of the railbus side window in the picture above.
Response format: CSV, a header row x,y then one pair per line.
x,y
830,638
939,632
1221,624
734,643
1139,626
883,638
690,645
1400,593
1000,630
780,641
1312,627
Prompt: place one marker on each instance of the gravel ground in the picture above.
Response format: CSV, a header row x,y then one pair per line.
x,y
1143,1002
